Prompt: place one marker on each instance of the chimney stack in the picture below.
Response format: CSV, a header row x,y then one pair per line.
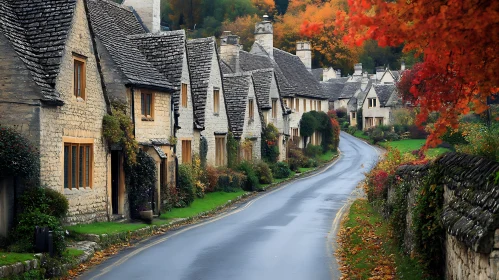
x,y
264,35
358,69
329,73
304,52
149,12
229,50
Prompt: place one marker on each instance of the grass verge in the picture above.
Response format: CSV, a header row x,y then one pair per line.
x,y
360,134
409,145
105,228
7,258
368,250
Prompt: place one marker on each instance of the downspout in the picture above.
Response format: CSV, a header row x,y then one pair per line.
x,y
132,96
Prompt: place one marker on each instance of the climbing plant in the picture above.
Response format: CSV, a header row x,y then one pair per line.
x,y
18,157
270,144
140,182
232,150
203,150
118,130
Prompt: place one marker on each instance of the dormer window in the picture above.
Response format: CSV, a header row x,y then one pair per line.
x,y
371,102
79,76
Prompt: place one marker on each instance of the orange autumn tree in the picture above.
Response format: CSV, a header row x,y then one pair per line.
x,y
458,40
244,27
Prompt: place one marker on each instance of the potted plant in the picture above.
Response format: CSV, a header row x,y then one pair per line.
x,y
146,213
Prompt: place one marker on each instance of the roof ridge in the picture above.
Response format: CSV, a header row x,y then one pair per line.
x,y
159,34
202,40
126,8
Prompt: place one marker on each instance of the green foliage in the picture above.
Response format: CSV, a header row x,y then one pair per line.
x,y
186,187
270,144
232,150
280,170
230,181
428,229
483,140
296,158
313,151
359,119
18,157
308,124
34,274
252,182
263,172
140,181
203,150
44,200
398,218
117,129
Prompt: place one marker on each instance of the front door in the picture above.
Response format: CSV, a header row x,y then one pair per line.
x,y
6,205
115,180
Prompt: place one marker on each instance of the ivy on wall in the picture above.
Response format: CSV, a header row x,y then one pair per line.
x,y
141,181
270,144
232,149
203,150
118,130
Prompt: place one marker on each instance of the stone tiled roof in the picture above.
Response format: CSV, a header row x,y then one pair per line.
x,y
250,62
165,51
225,68
298,76
262,80
200,53
317,73
333,88
384,92
236,89
349,90
38,31
111,23
361,97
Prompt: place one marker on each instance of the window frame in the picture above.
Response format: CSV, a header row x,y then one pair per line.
x,y
184,95
297,105
82,61
304,105
186,146
143,106
88,161
319,106
274,108
216,101
371,103
251,109
220,150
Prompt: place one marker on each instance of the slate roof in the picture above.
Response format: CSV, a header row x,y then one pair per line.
x,y
38,31
349,90
250,62
225,68
111,23
262,80
332,88
384,92
361,97
236,89
317,73
199,54
165,51
297,75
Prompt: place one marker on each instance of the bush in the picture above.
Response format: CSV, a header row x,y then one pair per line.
x,y
352,130
17,156
203,150
296,157
251,182
400,128
341,113
417,133
376,134
232,150
313,151
281,170
212,174
270,144
46,201
391,136
230,181
186,187
263,172
141,183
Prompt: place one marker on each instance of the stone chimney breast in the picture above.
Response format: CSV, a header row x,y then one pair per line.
x,y
264,35
229,50
149,12
304,52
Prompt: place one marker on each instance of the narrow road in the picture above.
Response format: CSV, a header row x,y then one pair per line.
x,y
284,234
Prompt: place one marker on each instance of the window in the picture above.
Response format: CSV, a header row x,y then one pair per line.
x,y
319,104
216,101
285,102
219,150
369,122
379,121
295,132
79,80
353,115
78,165
274,108
186,151
297,107
265,117
251,109
371,102
311,105
147,101
184,95
304,105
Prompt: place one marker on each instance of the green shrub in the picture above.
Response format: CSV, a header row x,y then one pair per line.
x,y
18,157
232,150
400,128
141,183
117,129
352,130
230,181
281,170
203,150
186,187
311,162
391,136
270,144
313,151
24,232
251,183
263,172
45,200
296,157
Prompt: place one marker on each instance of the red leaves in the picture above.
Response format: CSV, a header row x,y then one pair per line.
x,y
310,29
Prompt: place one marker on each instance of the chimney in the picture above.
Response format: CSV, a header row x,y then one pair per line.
x,y
380,70
264,35
328,74
402,65
229,50
148,11
338,73
304,52
358,69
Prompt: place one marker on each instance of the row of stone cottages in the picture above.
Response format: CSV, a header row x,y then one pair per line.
x,y
65,64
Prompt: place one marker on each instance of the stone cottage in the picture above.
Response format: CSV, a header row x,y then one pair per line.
x,y
242,111
210,115
52,89
131,81
377,105
167,51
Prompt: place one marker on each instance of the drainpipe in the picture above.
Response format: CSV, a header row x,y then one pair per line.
x,y
132,96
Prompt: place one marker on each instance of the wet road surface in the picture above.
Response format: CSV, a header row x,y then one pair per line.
x,y
283,234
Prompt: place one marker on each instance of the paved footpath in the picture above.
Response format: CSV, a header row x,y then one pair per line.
x,y
284,234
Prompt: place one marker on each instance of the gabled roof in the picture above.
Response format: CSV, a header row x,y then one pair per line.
x,y
250,62
225,68
317,73
349,90
165,51
333,88
200,53
236,90
38,31
384,92
297,75
111,23
262,80
361,97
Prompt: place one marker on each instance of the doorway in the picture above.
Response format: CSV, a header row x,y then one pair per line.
x,y
116,182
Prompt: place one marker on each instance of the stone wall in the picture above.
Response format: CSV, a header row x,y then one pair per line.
x,y
79,120
470,213
253,127
185,120
157,127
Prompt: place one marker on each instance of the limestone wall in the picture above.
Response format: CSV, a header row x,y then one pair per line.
x,y
253,128
157,127
186,118
79,120
463,263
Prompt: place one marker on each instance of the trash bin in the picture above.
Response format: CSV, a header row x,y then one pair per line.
x,y
44,240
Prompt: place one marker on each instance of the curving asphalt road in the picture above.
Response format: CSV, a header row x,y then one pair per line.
x,y
283,234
